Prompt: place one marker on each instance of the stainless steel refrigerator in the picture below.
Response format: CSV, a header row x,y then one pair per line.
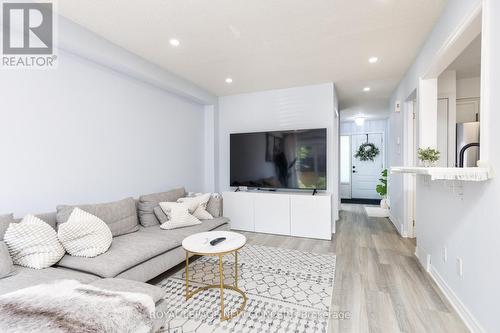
x,y
467,144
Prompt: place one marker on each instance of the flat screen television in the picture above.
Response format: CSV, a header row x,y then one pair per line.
x,y
279,160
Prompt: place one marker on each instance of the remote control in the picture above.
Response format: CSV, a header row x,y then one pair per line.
x,y
216,241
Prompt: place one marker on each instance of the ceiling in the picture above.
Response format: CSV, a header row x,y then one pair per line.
x,y
468,63
369,109
264,44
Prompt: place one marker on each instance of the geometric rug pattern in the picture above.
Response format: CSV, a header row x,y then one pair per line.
x,y
287,291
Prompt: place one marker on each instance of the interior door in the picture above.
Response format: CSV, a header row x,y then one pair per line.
x,y
366,174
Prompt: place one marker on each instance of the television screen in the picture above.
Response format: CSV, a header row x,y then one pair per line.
x,y
282,159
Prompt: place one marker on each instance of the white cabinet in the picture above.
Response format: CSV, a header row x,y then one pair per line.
x,y
284,213
272,214
310,216
239,207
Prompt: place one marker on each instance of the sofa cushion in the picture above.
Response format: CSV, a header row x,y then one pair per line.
x,y
198,206
148,202
6,265
123,285
26,277
178,216
33,243
214,205
5,221
130,250
160,215
84,234
125,252
206,225
49,218
120,216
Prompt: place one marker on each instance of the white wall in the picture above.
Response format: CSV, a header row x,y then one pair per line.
x,y
446,136
370,126
469,87
468,225
293,108
86,133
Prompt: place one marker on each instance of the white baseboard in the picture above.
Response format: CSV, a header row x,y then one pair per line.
x,y
399,227
424,258
457,304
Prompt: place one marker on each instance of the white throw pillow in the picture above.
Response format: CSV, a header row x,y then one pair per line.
x,y
33,243
198,206
84,235
178,215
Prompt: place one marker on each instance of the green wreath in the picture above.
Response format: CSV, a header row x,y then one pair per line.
x,y
367,152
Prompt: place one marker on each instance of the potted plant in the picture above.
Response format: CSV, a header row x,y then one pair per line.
x,y
428,156
382,190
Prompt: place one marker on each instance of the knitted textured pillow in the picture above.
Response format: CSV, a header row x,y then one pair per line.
x,y
33,243
84,235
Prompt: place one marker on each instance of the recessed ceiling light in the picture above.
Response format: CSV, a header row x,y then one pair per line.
x,y
174,42
372,60
229,80
366,89
359,121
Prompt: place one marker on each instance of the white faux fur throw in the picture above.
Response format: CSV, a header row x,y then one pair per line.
x,y
69,306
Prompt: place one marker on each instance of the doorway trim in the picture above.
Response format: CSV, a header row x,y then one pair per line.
x,y
411,121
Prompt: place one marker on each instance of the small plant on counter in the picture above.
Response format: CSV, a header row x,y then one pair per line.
x,y
428,156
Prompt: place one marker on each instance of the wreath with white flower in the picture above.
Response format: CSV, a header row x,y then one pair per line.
x,y
367,152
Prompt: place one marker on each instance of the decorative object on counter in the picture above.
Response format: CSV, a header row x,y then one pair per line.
x,y
428,156
367,152
382,189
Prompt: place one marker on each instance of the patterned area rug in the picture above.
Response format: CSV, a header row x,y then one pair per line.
x,y
287,290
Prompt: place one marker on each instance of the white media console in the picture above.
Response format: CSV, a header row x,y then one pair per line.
x,y
284,213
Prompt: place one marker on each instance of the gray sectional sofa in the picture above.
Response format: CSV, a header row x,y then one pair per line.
x,y
137,254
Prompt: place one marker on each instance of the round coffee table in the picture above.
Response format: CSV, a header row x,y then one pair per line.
x,y
199,244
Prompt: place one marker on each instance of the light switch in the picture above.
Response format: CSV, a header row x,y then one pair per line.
x,y
397,106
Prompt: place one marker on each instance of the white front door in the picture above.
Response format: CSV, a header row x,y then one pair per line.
x,y
366,174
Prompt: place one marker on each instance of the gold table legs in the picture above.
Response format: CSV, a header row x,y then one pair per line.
x,y
221,285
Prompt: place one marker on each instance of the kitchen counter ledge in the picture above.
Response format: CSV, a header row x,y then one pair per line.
x,y
477,174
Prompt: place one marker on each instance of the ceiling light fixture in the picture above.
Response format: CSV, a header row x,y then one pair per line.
x,y
229,80
360,121
174,42
372,60
366,89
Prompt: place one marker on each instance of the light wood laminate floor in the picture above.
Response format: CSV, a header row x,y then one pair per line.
x,y
378,279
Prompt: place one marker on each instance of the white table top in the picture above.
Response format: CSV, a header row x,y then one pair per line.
x,y
200,242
